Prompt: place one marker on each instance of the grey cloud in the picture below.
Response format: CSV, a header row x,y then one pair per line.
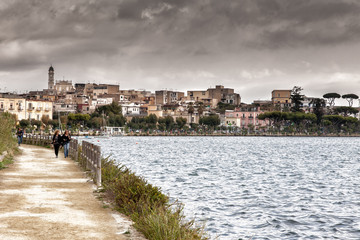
x,y
177,36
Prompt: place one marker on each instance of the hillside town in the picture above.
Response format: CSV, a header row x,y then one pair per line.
x,y
64,100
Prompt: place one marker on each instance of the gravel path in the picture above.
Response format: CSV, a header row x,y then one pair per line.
x,y
43,197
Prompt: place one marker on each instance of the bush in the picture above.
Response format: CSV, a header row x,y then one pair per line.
x,y
146,205
7,140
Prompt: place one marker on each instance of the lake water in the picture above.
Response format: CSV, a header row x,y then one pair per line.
x,y
254,187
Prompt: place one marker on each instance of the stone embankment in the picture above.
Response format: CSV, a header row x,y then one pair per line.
x,y
43,197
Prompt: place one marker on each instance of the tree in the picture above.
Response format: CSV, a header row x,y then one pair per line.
x,y
296,99
211,121
152,119
45,119
222,107
331,98
24,123
335,120
191,110
167,122
350,98
200,108
114,108
345,111
318,108
275,118
180,121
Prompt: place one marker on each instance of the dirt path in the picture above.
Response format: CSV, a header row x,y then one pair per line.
x,y
43,197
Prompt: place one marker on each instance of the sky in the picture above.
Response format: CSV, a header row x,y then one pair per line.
x,y
253,46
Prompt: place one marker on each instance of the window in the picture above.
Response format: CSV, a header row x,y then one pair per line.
x,y
2,105
38,117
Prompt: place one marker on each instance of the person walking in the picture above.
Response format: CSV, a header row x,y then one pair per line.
x,y
66,138
20,134
56,142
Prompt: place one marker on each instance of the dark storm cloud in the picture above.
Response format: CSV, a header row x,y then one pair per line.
x,y
172,42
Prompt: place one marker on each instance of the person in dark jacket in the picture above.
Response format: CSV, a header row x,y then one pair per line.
x,y
66,138
56,141
20,134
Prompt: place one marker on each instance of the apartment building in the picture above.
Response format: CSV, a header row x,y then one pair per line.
x,y
164,97
244,117
224,95
212,96
281,98
26,109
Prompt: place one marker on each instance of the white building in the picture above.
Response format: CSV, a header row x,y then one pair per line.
x,y
26,109
130,109
64,107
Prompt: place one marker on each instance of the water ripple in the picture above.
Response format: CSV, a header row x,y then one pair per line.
x,y
254,187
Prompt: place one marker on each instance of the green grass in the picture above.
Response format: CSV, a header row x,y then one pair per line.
x,y
7,139
150,209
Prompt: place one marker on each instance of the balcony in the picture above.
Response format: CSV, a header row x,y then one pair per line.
x,y
251,117
11,108
47,109
38,109
20,108
30,109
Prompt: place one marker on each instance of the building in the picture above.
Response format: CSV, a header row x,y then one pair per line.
x,y
224,95
164,97
26,109
65,108
64,86
36,109
281,98
244,117
212,96
133,96
198,96
130,109
155,109
103,89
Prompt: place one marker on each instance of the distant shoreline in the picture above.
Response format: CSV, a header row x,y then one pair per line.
x,y
216,135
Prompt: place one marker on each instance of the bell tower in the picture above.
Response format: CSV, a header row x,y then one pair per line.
x,y
51,78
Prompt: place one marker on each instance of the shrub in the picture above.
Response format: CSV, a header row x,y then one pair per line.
x,y
146,205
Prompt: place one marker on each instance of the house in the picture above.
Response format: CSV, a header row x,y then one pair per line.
x,y
26,109
130,109
281,98
164,97
244,117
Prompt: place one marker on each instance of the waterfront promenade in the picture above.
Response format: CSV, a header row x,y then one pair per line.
x,y
43,197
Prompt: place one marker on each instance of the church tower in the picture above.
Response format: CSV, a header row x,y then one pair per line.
x,y
51,78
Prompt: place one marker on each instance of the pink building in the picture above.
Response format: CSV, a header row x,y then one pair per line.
x,y
244,117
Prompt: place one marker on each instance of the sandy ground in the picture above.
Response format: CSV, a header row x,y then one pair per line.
x,y
43,197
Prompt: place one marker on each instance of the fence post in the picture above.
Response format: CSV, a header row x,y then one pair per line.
x,y
98,166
